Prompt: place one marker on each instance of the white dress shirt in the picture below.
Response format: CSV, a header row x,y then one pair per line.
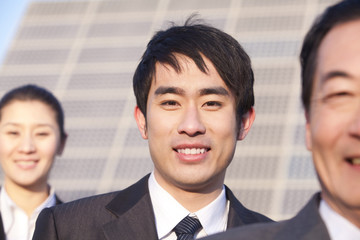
x,y
17,225
168,213
339,228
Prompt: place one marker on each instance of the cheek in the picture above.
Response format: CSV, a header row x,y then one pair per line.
x,y
159,123
318,136
325,130
6,147
6,154
224,125
48,149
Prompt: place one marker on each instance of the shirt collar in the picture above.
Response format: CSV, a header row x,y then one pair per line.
x,y
213,217
49,202
337,226
8,206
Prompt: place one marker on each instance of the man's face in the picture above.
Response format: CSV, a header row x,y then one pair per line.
x,y
191,127
333,123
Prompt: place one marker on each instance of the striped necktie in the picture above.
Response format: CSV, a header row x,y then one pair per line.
x,y
186,228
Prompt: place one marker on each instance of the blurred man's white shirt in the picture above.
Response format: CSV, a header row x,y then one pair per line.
x,y
339,228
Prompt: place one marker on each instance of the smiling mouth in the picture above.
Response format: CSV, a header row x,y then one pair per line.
x,y
353,161
26,164
192,151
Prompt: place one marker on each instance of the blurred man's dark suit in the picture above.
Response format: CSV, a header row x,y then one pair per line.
x,y
306,225
126,214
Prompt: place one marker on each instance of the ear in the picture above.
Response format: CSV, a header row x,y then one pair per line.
x,y
141,122
308,132
247,120
62,145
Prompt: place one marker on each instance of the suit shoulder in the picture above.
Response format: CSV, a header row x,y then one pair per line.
x,y
306,225
255,231
84,204
260,217
96,204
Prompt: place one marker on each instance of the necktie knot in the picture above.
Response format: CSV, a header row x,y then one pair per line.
x,y
186,228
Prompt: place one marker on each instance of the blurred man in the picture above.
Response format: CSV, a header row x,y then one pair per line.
x,y
330,60
194,92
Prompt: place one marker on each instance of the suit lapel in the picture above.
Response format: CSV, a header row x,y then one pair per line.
x,y
240,215
235,210
2,233
58,200
135,216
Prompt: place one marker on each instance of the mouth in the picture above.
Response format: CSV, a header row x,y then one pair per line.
x,y
26,164
192,151
353,161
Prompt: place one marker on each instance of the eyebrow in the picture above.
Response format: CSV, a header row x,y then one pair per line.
x,y
334,74
179,91
166,90
215,90
37,125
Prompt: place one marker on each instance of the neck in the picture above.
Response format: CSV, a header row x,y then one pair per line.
x,y
352,216
351,213
26,198
194,201
193,198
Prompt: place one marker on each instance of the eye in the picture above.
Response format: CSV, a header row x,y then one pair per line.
x,y
12,133
340,100
42,134
212,105
341,94
170,105
337,95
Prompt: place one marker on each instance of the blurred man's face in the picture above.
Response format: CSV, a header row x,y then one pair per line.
x,y
333,122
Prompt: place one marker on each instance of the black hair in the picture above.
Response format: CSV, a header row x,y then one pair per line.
x,y
32,92
342,12
195,40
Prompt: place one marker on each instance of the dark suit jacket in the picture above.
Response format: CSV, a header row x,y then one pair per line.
x,y
126,214
2,233
306,225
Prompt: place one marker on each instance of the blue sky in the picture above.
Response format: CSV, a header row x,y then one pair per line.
x,y
11,12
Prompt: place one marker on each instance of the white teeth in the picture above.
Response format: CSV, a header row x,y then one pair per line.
x,y
26,162
192,150
356,161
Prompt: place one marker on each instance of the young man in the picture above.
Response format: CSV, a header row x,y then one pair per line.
x,y
194,92
330,60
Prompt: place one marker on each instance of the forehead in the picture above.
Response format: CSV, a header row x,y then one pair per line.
x,y
338,55
188,72
31,110
340,49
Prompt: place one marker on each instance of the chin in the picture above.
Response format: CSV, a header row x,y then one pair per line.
x,y
195,185
29,184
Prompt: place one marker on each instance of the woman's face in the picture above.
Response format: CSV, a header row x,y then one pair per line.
x,y
29,142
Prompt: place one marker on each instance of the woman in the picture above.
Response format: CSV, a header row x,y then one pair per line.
x,y
31,135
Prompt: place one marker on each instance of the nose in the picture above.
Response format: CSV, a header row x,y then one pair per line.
x,y
27,144
191,123
355,124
